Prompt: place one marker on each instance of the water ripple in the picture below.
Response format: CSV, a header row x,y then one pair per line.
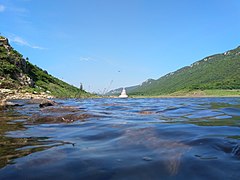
x,y
167,138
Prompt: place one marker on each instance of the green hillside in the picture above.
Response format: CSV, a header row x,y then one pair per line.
x,y
17,72
217,72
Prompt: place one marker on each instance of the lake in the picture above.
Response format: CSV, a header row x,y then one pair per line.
x,y
165,138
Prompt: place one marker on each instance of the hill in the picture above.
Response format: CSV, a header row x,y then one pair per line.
x,y
216,72
17,73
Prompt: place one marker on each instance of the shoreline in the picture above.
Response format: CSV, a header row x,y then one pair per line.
x,y
213,96
208,93
8,94
168,96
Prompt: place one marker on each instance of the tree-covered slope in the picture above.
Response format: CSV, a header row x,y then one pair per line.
x,y
17,72
220,71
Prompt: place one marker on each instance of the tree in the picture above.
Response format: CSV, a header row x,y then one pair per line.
x,y
81,87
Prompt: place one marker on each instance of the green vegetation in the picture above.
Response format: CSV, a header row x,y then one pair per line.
x,y
214,75
47,83
18,73
207,92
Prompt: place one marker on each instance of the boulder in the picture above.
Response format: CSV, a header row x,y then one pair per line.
x,y
6,104
46,103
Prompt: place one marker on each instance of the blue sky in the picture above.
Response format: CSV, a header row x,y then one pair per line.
x,y
106,44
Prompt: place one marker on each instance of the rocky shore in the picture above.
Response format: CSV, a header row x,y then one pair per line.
x,y
18,94
48,111
7,94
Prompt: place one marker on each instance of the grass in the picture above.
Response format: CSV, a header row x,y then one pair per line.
x,y
196,93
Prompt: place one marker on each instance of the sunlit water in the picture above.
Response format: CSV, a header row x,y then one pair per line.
x,y
182,138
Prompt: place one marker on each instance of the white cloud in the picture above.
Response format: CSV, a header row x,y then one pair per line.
x,y
14,9
38,47
2,8
20,41
86,59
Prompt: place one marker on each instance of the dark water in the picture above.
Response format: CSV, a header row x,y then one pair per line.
x,y
188,138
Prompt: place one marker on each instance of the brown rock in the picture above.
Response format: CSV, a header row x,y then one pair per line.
x,y
64,109
11,104
46,103
5,104
146,112
42,102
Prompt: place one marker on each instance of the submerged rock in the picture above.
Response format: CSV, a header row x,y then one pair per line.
x,y
63,109
61,118
146,112
147,158
58,114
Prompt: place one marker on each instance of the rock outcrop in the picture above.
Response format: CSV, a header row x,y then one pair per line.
x,y
4,42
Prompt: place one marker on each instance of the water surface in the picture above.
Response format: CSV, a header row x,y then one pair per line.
x,y
172,138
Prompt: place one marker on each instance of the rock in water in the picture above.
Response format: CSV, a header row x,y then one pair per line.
x,y
5,104
10,104
46,103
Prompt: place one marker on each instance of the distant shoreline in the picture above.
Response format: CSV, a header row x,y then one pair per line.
x,y
196,94
7,94
185,96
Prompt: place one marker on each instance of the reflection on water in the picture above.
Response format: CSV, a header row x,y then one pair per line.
x,y
16,147
197,138
170,149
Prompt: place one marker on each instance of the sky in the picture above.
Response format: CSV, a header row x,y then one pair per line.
x,y
107,44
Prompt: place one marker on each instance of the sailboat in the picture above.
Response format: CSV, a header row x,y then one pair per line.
x,y
123,94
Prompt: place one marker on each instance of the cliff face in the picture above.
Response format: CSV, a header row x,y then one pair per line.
x,y
18,73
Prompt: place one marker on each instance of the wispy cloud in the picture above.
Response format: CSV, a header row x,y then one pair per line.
x,y
14,9
86,59
20,41
2,8
19,10
99,60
